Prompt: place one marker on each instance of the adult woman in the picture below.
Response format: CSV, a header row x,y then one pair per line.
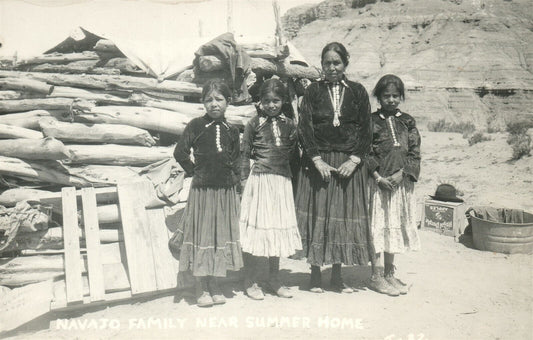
x,y
331,203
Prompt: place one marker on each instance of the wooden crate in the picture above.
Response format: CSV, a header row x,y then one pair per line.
x,y
447,218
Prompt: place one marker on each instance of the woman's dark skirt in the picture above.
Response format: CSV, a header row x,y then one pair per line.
x,y
333,216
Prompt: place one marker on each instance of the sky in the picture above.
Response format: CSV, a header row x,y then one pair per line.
x,y
30,27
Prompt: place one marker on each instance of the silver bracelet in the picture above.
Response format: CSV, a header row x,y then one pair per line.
x,y
355,159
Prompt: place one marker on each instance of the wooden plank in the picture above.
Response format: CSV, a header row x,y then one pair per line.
x,y
165,275
72,246
164,262
137,238
25,304
92,243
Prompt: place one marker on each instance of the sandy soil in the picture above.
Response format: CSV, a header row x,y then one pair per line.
x,y
457,292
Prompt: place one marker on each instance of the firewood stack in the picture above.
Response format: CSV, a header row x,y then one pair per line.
x,y
93,118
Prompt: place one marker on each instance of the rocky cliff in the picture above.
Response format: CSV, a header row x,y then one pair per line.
x,y
461,60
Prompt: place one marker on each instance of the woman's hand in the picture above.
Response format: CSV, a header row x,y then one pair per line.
x,y
385,184
324,169
396,178
347,168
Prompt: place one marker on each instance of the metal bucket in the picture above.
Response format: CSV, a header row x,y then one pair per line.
x,y
507,238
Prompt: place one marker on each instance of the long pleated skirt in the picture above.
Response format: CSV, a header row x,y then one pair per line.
x,y
268,219
208,232
393,218
333,216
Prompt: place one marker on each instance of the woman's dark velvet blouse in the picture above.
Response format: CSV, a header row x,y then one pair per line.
x,y
316,130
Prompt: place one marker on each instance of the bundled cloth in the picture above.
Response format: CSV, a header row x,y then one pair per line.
x,y
235,58
23,217
501,215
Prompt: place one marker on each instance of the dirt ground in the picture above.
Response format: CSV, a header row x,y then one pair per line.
x,y
457,292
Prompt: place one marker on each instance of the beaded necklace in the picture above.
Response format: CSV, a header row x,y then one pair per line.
x,y
336,96
275,127
390,124
217,133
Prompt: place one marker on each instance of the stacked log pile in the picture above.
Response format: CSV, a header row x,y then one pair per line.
x,y
93,118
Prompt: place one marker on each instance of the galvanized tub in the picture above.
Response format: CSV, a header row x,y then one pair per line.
x,y
507,238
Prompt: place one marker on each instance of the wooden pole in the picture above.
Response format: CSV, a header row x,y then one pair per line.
x,y
25,85
20,105
109,82
10,132
95,133
112,154
34,149
230,16
41,172
30,119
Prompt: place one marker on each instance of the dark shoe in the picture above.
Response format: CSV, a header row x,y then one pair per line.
x,y
205,300
378,284
255,293
284,292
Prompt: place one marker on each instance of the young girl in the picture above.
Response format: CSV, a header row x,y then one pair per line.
x,y
268,220
394,163
209,243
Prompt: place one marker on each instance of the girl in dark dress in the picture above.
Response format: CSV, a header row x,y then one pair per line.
x,y
208,233
394,163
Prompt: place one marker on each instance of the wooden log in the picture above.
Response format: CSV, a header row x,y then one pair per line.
x,y
10,197
9,132
100,98
30,119
238,115
20,105
25,85
168,95
283,69
24,270
109,82
113,154
77,67
52,238
41,172
9,95
48,148
125,66
141,117
256,50
187,75
59,58
263,66
108,174
95,133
